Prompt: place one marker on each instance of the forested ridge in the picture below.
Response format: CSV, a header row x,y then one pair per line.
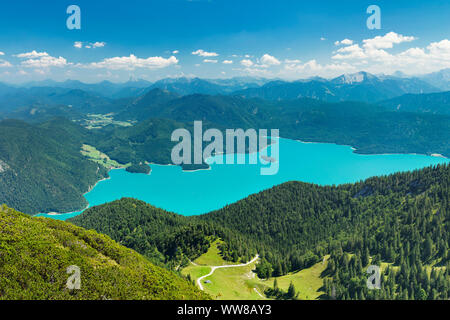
x,y
367,127
36,252
41,167
401,220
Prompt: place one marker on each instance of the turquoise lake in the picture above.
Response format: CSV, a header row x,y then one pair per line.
x,y
197,192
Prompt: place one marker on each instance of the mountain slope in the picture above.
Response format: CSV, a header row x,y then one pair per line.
x,y
186,86
439,79
369,128
435,103
150,104
35,253
41,167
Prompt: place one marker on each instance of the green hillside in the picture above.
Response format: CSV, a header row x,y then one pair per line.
x,y
35,253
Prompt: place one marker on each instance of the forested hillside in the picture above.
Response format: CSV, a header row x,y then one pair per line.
x,y
36,252
435,103
41,167
369,128
401,220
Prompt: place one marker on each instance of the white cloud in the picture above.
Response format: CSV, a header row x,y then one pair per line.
x,y
374,57
247,62
132,62
45,62
202,53
41,60
372,48
32,54
440,50
350,52
270,60
313,68
294,61
40,71
2,53
175,52
5,64
227,62
387,41
323,39
346,42
98,44
209,61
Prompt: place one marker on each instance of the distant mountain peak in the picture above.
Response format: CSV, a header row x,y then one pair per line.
x,y
350,78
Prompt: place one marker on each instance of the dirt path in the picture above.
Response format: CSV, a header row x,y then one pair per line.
x,y
256,290
213,268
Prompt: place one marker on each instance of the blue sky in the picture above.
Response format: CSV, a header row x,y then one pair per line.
x,y
219,39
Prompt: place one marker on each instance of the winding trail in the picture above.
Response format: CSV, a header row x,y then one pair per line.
x,y
213,268
256,290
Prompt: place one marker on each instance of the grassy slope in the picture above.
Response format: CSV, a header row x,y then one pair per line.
x,y
239,282
200,266
227,283
213,257
307,281
35,253
233,284
99,157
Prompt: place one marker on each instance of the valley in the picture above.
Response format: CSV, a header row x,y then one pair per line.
x,y
359,182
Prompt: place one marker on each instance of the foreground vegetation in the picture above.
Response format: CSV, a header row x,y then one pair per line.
x,y
36,252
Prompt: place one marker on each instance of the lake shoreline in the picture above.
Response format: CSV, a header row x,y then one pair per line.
x,y
298,178
355,150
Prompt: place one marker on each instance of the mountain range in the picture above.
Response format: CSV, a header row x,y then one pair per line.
x,y
103,97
